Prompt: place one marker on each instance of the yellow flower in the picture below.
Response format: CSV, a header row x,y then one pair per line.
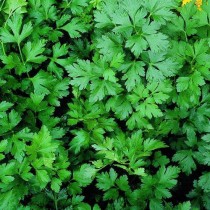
x,y
185,2
198,3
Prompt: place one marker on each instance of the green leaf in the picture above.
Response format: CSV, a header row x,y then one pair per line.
x,y
106,180
160,160
41,82
33,52
149,109
111,194
5,200
204,182
133,74
75,28
96,207
56,184
140,172
122,183
7,172
42,177
42,147
3,145
13,61
99,89
160,97
160,10
120,106
186,161
59,50
81,73
166,180
157,42
64,174
182,83
155,204
81,140
152,144
137,44
14,118
110,45
184,206
24,170
4,106
59,91
84,206
85,175
19,32
18,149
17,6
137,121
77,6
117,60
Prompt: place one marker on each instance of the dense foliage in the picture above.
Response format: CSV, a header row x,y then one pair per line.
x,y
104,104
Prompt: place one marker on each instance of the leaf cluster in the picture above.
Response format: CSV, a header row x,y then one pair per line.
x,y
104,105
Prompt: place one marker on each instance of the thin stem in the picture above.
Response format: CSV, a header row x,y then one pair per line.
x,y
185,34
21,55
7,133
2,44
10,14
28,75
64,9
2,5
56,202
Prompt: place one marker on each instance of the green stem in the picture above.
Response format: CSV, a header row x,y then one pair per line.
x,y
2,44
64,9
7,133
2,5
28,75
10,14
21,55
22,60
185,34
56,202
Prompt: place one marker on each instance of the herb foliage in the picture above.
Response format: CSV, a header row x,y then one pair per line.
x,y
104,105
